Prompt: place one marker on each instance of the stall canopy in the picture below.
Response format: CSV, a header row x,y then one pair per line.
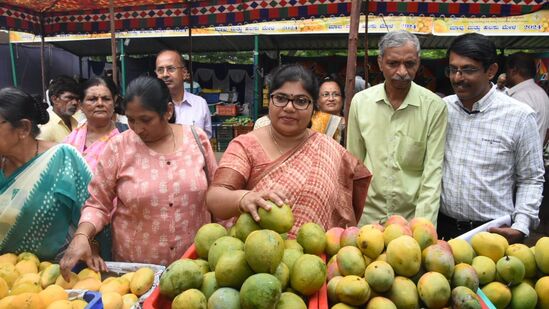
x,y
529,31
92,16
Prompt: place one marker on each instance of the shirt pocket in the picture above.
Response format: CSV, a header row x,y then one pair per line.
x,y
410,154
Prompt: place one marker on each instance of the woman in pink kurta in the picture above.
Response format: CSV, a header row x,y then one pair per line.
x,y
156,170
97,105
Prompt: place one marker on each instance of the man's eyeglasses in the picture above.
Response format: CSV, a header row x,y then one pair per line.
x,y
451,71
170,69
299,102
335,95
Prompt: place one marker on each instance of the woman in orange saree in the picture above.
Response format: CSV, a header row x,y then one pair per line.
x,y
286,162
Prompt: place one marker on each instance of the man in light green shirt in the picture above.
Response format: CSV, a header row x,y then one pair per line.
x,y
398,129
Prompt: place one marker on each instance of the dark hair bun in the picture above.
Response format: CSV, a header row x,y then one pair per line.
x,y
41,115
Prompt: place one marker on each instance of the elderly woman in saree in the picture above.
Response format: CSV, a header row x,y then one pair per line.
x,y
42,184
288,162
328,118
91,137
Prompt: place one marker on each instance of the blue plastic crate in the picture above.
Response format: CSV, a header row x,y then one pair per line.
x,y
211,98
94,300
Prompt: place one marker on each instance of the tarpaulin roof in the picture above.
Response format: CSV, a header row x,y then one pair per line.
x,y
92,16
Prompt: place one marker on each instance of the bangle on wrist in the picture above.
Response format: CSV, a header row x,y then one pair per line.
x,y
91,241
239,204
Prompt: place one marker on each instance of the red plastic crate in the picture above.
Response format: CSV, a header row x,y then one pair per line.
x,y
158,301
226,110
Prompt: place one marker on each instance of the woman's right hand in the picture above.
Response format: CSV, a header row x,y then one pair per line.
x,y
78,250
251,201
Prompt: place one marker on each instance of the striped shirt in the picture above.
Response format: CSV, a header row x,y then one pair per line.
x,y
491,153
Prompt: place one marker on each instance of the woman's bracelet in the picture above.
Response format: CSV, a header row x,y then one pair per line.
x,y
239,204
91,241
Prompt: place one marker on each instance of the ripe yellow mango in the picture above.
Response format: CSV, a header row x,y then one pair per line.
x,y
129,276
8,273
27,301
404,255
30,277
112,300
4,288
8,258
542,289
43,266
79,304
25,287
142,281
88,273
50,275
26,267
27,256
53,293
525,255
5,303
129,300
91,284
542,254
60,304
370,241
498,293
118,285
67,285
489,244
462,251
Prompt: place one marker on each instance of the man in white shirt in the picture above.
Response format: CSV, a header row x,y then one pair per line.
x,y
521,70
190,109
501,82
493,159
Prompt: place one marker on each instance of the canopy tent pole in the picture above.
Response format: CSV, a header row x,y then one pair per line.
x,y
12,59
190,53
43,58
256,78
351,57
366,46
113,43
80,72
123,67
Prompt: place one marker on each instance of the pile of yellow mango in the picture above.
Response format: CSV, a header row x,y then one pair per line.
x,y
25,282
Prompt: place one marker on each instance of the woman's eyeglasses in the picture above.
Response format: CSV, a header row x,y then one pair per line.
x,y
299,102
335,95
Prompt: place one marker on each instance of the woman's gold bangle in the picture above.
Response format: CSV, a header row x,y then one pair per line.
x,y
240,201
91,241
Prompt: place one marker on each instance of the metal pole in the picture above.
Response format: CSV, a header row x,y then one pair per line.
x,y
43,58
351,56
256,77
190,51
80,67
366,46
12,58
123,66
113,43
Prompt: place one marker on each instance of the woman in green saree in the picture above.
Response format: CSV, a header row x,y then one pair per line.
x,y
42,185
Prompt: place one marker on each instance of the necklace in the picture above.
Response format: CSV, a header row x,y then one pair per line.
x,y
276,143
274,140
